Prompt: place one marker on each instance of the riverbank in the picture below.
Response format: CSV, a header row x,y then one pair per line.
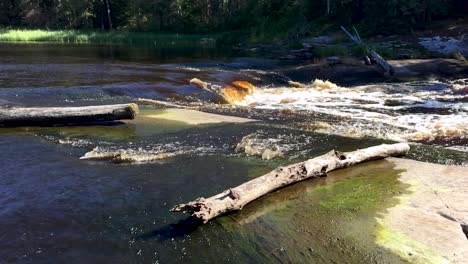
x,y
335,49
439,40
103,37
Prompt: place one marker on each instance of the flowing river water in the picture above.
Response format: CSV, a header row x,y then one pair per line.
x,y
58,208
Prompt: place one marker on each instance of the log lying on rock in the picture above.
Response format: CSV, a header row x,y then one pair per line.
x,y
44,116
236,198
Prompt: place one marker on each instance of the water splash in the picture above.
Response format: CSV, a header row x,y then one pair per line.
x,y
417,111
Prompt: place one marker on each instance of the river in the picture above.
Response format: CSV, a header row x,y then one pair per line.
x,y
58,208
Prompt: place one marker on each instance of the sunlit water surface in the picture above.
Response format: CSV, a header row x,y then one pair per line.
x,y
57,208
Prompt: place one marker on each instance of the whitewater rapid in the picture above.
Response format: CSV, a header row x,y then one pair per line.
x,y
421,111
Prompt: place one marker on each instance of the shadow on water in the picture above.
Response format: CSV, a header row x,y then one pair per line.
x,y
180,229
150,52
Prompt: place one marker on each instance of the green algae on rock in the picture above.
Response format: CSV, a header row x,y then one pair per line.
x,y
294,226
359,194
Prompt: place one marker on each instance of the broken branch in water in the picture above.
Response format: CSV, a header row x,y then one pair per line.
x,y
372,53
44,116
234,199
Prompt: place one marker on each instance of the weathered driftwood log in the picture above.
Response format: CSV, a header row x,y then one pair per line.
x,y
236,198
43,116
387,68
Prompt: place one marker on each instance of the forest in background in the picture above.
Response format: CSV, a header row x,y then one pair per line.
x,y
265,19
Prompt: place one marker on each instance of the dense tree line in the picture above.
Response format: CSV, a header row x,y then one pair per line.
x,y
201,16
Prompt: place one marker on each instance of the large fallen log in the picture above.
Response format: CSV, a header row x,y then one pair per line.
x,y
45,116
236,198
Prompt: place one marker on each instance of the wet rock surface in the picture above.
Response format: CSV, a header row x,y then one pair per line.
x,y
427,227
446,45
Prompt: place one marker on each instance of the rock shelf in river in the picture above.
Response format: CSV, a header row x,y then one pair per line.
x,y
429,224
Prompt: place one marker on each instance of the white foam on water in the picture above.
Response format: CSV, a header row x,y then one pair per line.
x,y
153,153
426,111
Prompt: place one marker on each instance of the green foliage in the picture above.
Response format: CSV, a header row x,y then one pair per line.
x,y
355,50
260,20
333,50
104,37
359,50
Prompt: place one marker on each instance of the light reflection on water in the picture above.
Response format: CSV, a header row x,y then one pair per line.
x,y
57,208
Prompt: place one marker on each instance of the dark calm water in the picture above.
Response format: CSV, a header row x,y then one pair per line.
x,y
56,208
59,209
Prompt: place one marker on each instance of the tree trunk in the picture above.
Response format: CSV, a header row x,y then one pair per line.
x,y
236,198
382,63
109,14
45,116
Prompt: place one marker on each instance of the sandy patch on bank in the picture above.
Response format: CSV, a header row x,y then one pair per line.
x,y
193,117
427,226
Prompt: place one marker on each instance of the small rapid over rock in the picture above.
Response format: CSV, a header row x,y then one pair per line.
x,y
428,112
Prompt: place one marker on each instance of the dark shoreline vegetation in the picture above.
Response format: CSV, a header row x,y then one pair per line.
x,y
231,21
222,42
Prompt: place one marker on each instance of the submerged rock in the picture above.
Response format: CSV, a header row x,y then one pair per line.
x,y
127,156
323,85
193,117
271,146
267,149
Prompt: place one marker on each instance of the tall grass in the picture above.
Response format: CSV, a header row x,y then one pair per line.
x,y
356,50
101,37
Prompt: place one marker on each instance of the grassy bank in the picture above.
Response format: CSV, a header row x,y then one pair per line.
x,y
103,37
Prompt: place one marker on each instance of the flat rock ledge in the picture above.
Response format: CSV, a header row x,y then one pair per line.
x,y
430,224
